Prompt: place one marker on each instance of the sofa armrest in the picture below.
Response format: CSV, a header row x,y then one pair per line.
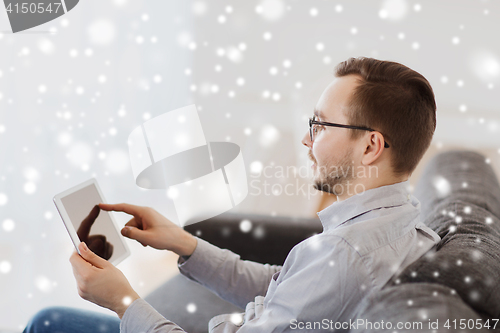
x,y
268,240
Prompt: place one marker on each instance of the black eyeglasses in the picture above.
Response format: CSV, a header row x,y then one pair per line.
x,y
313,130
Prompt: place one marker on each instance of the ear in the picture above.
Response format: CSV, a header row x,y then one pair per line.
x,y
374,147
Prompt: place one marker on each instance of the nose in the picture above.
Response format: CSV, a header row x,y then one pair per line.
x,y
306,140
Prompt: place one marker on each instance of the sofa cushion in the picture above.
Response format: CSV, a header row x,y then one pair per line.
x,y
460,197
455,280
467,259
458,175
417,307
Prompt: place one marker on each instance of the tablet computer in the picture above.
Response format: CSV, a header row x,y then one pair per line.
x,y
86,222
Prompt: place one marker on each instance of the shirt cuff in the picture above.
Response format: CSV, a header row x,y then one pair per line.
x,y
203,262
142,317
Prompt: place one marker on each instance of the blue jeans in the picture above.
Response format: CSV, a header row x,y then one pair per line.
x,y
69,320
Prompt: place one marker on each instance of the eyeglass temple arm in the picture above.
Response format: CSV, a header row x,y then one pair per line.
x,y
311,121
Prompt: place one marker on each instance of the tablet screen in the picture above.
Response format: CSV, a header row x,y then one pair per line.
x,y
93,225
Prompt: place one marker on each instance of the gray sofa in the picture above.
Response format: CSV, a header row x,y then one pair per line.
x,y
457,280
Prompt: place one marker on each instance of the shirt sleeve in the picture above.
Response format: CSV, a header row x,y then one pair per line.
x,y
324,286
223,272
142,317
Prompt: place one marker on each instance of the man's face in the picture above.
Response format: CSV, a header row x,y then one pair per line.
x,y
332,148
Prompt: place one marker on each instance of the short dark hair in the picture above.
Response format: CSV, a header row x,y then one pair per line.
x,y
396,101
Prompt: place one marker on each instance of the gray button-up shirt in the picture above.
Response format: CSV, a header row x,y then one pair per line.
x,y
365,240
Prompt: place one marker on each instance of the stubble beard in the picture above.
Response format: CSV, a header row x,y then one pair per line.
x,y
334,178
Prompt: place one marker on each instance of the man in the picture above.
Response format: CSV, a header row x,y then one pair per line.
x,y
371,127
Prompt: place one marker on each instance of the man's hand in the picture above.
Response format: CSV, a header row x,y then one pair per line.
x,y
100,282
149,227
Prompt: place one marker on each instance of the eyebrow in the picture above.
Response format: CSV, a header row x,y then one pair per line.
x,y
319,114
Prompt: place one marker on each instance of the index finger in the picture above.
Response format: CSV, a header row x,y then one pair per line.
x,y
121,207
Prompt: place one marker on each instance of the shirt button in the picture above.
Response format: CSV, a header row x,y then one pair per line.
x,y
408,196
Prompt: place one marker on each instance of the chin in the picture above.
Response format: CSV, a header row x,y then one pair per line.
x,y
321,186
331,185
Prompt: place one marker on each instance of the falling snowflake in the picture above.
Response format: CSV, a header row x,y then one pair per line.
x,y
5,267
44,284
240,81
245,226
101,32
29,188
199,8
127,300
8,225
271,10
221,19
236,318
259,232
191,308
256,167
394,10
442,186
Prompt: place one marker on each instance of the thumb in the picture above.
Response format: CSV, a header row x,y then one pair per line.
x,y
134,233
91,257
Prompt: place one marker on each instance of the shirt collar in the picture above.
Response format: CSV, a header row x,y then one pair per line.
x,y
384,196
